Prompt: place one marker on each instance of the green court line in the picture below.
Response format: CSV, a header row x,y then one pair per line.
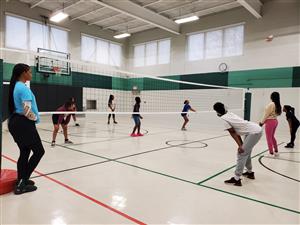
x,y
223,171
251,199
191,182
205,186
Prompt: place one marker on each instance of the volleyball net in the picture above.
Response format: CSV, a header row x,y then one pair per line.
x,y
92,84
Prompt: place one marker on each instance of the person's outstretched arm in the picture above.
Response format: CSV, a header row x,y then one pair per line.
x,y
237,139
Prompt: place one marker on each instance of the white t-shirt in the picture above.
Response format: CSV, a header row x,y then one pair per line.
x,y
241,126
113,105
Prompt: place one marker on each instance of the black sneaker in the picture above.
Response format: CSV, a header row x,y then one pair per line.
x,y
22,188
289,145
233,181
115,122
249,175
77,124
29,182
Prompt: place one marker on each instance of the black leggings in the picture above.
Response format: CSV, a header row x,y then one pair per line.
x,y
113,115
25,165
293,132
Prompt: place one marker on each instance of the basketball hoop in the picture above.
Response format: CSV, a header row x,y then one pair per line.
x,y
56,70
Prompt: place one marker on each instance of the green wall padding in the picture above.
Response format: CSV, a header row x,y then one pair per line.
x,y
264,78
152,84
220,79
296,77
91,80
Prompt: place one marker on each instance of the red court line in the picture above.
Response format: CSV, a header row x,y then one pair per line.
x,y
84,195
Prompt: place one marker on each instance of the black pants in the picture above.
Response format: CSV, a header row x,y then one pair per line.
x,y
113,115
27,165
293,132
27,138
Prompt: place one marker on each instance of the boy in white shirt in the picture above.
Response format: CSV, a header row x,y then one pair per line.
x,y
237,127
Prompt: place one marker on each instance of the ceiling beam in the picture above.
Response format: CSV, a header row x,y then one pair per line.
x,y
130,30
152,3
179,6
118,24
69,5
36,4
214,9
97,20
89,12
138,12
253,6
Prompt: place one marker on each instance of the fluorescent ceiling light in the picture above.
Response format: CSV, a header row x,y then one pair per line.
x,y
187,19
124,35
58,17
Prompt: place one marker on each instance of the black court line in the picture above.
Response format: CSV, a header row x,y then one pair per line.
x,y
109,159
201,185
76,134
168,147
281,159
204,145
70,169
268,168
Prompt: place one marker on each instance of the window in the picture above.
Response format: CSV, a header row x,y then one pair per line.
x,y
139,55
233,41
25,34
59,40
213,47
115,54
164,48
100,51
152,53
38,36
16,33
216,44
196,47
88,49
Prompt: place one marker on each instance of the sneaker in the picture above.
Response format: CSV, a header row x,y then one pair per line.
x,y
115,122
77,125
22,187
29,182
139,135
53,144
184,129
233,181
133,135
108,122
289,145
276,154
249,175
270,154
68,141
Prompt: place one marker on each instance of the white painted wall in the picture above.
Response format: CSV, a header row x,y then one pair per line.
x,y
280,18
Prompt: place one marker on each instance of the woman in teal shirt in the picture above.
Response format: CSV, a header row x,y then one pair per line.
x,y
24,115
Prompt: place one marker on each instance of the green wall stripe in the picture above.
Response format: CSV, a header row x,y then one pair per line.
x,y
263,78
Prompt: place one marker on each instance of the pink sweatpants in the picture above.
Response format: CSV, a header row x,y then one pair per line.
x,y
270,128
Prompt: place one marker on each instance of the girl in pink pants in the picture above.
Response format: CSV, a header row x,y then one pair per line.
x,y
272,110
270,128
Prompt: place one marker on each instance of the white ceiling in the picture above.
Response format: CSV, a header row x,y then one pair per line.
x,y
138,15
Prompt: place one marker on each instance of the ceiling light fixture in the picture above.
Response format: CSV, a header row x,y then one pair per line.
x,y
124,35
187,19
58,16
